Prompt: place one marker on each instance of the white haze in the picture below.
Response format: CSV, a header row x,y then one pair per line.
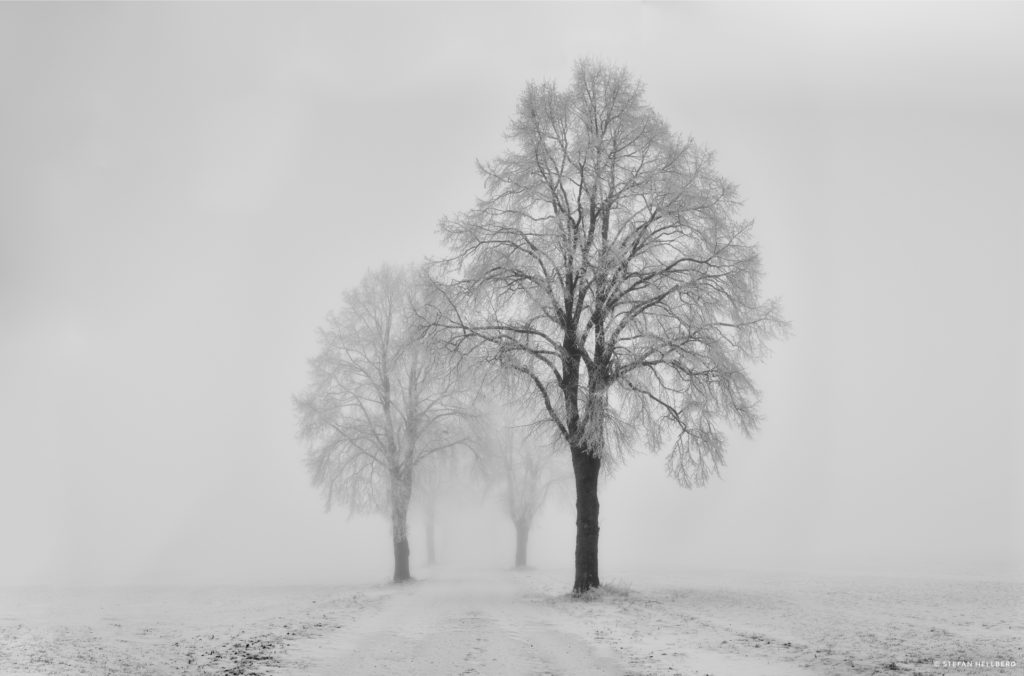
x,y
186,189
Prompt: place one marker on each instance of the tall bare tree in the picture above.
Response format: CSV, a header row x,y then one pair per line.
x,y
379,404
607,266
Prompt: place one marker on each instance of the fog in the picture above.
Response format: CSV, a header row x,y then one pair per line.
x,y
186,191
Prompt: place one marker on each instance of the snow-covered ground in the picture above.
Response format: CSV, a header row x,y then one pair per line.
x,y
505,622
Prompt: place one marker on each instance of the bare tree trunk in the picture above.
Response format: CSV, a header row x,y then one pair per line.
x,y
587,467
431,558
400,494
402,561
522,538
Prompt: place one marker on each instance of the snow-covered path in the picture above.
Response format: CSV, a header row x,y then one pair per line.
x,y
466,624
461,621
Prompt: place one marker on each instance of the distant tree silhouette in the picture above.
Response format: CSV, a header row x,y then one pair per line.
x,y
380,403
521,461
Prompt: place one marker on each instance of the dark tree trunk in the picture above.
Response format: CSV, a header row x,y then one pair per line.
x,y
587,468
402,561
431,557
522,538
400,494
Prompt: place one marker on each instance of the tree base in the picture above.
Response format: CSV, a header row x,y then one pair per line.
x,y
402,561
587,468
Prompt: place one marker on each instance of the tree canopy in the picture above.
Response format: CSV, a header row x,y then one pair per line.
x,y
608,266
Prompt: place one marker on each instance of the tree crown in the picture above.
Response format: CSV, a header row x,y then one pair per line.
x,y
607,267
380,401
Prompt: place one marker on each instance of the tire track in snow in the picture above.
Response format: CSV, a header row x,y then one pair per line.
x,y
478,624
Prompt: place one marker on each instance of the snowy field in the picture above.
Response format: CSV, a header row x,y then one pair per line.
x,y
504,622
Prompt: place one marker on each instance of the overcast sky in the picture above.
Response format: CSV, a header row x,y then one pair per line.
x,y
186,190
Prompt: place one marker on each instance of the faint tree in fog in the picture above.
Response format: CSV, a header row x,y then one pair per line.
x,y
379,404
522,461
435,478
607,266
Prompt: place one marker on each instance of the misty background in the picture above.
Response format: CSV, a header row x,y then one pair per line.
x,y
186,190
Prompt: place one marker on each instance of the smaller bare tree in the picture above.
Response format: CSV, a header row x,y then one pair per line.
x,y
517,456
380,403
436,478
